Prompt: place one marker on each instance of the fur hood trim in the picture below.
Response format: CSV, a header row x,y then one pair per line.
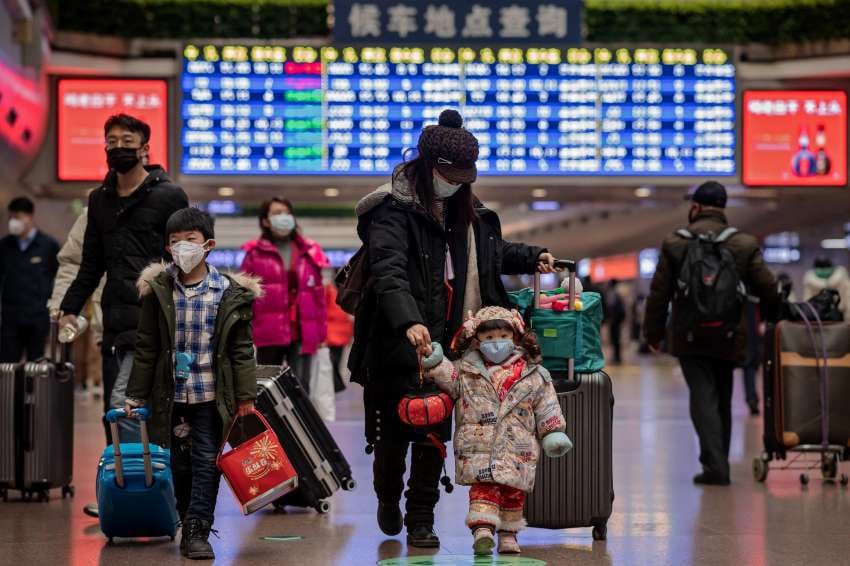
x,y
399,187
154,270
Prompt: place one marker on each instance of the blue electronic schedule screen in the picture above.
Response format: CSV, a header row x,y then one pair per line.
x,y
273,110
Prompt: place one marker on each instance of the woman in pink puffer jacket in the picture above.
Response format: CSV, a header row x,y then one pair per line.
x,y
290,320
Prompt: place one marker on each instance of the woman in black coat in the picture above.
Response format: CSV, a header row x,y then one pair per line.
x,y
435,253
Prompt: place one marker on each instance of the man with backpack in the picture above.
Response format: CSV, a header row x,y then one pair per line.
x,y
707,270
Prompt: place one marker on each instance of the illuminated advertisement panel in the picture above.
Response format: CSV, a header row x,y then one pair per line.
x,y
84,106
794,138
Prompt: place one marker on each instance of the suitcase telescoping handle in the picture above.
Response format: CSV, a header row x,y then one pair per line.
x,y
570,267
142,414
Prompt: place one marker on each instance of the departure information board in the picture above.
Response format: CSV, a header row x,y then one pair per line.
x,y
272,110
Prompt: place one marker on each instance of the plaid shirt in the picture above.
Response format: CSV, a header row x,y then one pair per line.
x,y
196,309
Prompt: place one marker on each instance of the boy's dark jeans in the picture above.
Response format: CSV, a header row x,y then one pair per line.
x,y
193,455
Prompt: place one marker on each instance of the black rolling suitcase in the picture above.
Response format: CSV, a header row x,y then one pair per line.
x,y
577,490
315,455
37,425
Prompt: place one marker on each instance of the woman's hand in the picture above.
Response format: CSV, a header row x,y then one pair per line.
x,y
420,338
546,263
244,408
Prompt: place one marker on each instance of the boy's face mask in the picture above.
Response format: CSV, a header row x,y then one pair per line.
x,y
496,351
188,255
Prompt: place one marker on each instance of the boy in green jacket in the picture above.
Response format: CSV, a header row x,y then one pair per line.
x,y
194,366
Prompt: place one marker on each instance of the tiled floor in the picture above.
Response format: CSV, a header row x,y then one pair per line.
x,y
659,516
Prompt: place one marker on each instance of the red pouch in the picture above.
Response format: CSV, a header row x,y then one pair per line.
x,y
257,469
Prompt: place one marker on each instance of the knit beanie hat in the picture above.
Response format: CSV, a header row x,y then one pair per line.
x,y
451,148
470,326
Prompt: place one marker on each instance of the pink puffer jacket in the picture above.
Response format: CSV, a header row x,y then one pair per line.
x,y
273,313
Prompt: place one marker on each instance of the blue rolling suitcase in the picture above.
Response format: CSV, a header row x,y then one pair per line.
x,y
135,490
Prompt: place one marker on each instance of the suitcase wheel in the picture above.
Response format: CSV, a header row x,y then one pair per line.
x,y
845,479
349,485
323,507
829,466
760,469
804,479
600,532
67,491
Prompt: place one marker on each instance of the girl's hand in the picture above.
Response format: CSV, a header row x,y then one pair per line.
x,y
244,408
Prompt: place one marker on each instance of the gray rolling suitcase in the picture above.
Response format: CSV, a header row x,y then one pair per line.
x,y
37,426
577,490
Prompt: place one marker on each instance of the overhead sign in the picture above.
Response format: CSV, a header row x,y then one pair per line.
x,y
621,267
274,110
84,105
795,138
499,22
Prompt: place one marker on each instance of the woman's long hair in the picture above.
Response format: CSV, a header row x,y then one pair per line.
x,y
459,208
267,233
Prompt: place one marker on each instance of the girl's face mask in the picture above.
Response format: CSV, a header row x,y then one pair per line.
x,y
496,351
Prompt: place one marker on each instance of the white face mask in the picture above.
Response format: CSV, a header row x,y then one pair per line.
x,y
16,227
187,255
445,189
283,223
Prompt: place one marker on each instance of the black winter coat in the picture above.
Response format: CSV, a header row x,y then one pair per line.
x,y
26,277
123,236
407,250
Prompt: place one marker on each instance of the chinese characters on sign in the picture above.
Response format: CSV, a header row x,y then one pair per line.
x,y
83,107
422,22
535,111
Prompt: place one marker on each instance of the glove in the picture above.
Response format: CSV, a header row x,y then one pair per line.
x,y
436,357
556,444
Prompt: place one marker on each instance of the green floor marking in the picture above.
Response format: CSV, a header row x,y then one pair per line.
x,y
461,561
281,538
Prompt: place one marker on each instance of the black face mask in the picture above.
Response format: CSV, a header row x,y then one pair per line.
x,y
122,159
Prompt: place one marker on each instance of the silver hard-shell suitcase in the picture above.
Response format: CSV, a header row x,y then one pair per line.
x,y
38,431
8,372
577,490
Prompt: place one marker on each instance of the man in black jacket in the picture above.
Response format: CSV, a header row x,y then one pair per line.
x,y
28,265
707,355
125,233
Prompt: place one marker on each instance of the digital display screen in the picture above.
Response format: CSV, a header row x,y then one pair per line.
x,y
272,110
84,105
794,138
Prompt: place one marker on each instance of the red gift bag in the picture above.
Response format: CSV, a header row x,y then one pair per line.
x,y
257,469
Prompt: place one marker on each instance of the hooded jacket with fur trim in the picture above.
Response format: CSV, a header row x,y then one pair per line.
x,y
407,251
234,365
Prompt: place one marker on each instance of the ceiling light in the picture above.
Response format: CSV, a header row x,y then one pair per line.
x,y
331,192
539,193
834,244
226,191
643,192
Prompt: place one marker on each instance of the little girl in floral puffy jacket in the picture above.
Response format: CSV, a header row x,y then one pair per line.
x,y
505,402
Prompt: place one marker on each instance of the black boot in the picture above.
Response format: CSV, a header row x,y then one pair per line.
x,y
196,534
390,519
422,536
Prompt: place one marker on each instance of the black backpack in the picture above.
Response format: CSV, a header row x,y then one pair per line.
x,y
710,294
